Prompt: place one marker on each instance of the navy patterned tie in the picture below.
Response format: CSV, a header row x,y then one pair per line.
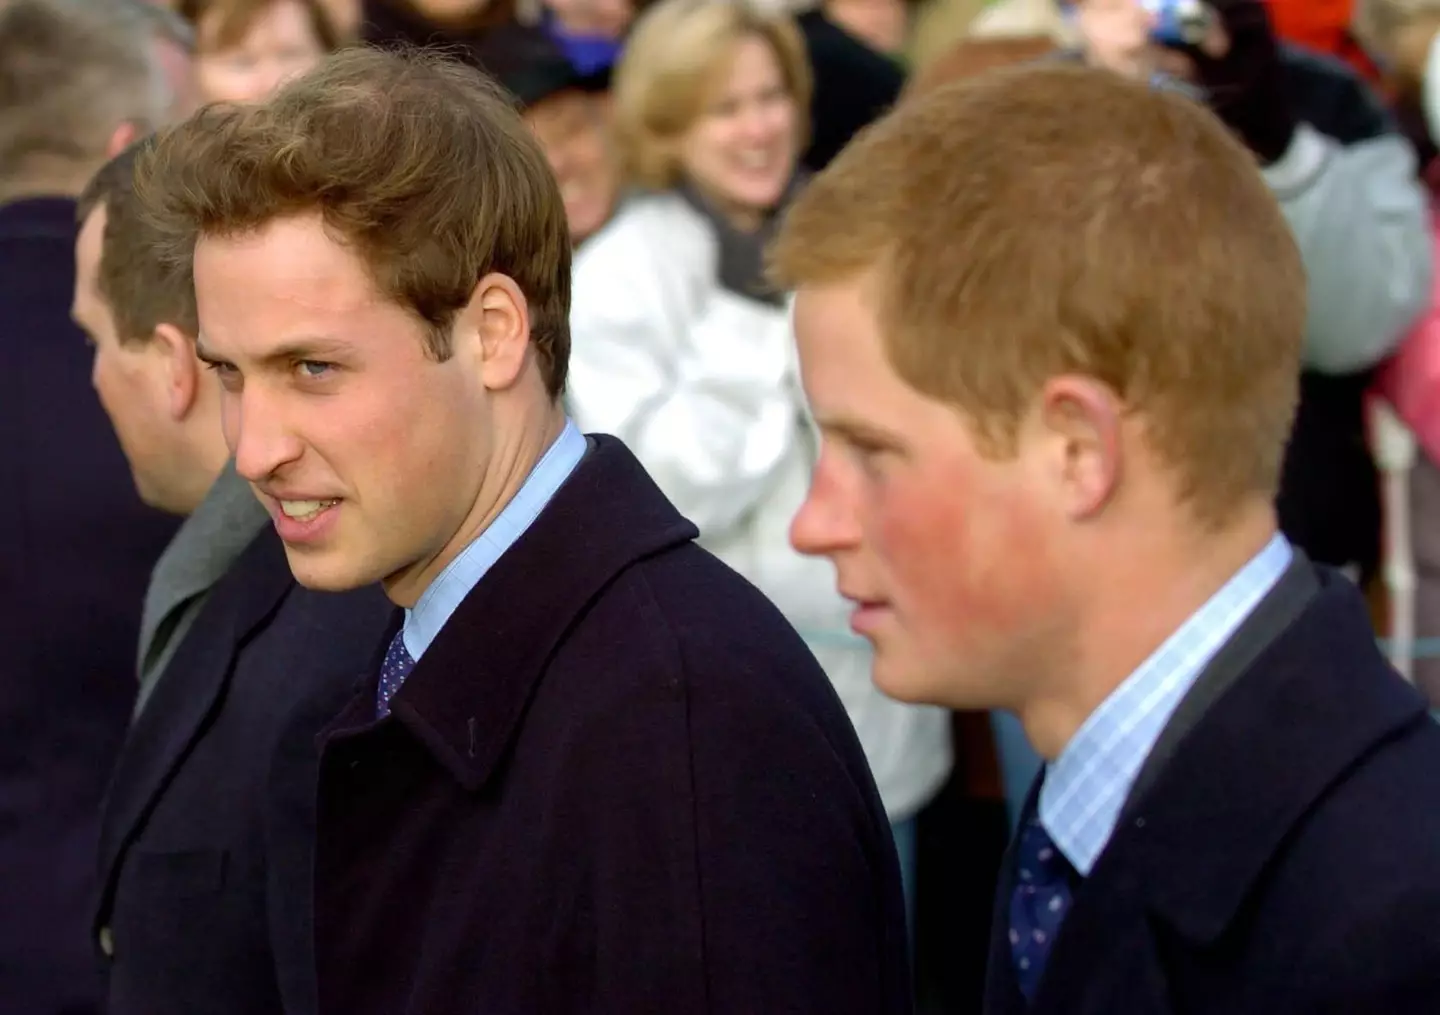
x,y
397,667
1042,897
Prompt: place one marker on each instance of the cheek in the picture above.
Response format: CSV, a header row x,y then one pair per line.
x,y
705,155
230,418
963,564
111,384
406,437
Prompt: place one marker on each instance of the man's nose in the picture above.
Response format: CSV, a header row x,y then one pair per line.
x,y
825,524
259,436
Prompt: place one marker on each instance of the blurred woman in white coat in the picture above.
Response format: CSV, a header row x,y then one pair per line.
x,y
682,350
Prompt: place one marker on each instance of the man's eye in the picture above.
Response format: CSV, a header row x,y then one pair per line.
x,y
226,373
313,369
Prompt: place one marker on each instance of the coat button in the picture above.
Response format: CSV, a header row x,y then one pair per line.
x,y
107,942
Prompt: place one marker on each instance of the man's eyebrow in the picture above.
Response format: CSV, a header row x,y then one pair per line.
x,y
308,348
856,431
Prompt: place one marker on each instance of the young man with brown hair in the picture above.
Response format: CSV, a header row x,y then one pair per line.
x,y
208,826
1050,323
595,770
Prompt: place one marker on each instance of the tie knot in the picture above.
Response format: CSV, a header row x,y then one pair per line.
x,y
1040,860
397,656
397,666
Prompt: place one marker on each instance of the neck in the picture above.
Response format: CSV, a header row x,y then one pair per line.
x,y
207,455
509,467
1160,579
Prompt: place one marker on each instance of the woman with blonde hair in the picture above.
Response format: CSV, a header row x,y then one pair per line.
x,y
681,349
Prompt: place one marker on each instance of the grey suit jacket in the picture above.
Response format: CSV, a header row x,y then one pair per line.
x,y
202,551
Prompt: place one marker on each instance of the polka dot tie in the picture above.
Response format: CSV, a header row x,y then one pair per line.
x,y
397,667
1042,896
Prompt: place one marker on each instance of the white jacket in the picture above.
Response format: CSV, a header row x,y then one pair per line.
x,y
702,385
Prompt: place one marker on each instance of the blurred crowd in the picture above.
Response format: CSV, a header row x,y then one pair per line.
x,y
679,132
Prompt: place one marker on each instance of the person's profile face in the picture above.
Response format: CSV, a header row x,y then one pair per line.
x,y
279,44
367,450
571,129
743,148
128,377
941,550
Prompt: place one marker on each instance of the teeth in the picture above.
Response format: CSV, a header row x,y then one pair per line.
x,y
305,509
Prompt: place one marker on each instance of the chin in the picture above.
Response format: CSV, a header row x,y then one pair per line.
x,y
763,198
327,572
586,219
914,683
900,682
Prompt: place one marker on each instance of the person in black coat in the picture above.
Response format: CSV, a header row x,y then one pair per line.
x,y
594,770
1064,507
76,542
205,840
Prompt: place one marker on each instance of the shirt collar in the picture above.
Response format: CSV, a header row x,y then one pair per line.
x,y
1087,786
438,602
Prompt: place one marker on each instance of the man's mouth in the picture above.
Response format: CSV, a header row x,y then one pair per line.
x,y
304,510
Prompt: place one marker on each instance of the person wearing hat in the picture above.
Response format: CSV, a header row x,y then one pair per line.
x,y
566,109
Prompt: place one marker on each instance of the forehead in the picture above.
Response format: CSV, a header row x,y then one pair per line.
x,y
752,59
289,276
568,107
846,370
839,336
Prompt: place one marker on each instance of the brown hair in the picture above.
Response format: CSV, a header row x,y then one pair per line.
x,y
419,163
671,60
141,290
234,18
1052,219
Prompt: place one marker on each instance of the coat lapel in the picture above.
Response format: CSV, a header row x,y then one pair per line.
x,y
169,726
465,706
1243,773
204,548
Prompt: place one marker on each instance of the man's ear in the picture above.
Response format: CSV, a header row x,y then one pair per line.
x,y
497,321
182,368
1080,419
121,138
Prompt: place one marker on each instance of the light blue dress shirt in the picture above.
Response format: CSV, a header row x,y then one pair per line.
x,y
1085,789
452,585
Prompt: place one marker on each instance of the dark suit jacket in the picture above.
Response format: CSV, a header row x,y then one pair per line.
x,y
206,842
76,548
617,782
1278,854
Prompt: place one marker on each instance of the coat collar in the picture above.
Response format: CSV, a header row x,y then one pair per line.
x,y
202,551
1319,698
189,690
466,698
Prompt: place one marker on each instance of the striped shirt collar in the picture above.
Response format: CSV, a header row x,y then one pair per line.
x,y
1087,786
